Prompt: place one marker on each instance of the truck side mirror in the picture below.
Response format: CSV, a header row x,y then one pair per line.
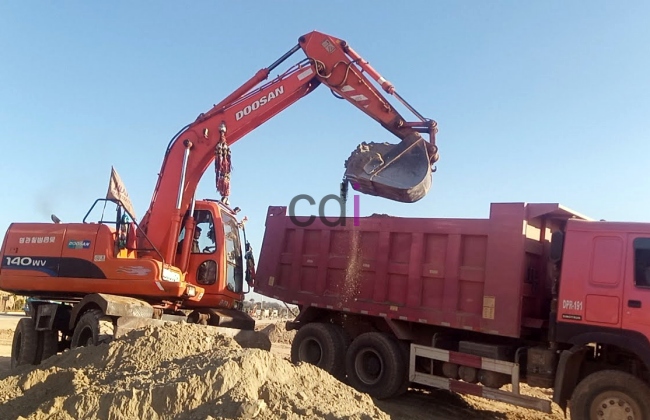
x,y
557,246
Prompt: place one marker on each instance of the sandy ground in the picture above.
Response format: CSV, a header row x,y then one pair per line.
x,y
7,324
414,405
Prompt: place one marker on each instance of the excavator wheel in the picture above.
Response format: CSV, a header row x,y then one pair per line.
x,y
92,329
25,344
399,172
48,345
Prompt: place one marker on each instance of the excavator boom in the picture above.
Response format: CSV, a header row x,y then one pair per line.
x,y
399,172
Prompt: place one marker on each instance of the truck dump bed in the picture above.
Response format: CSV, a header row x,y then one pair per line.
x,y
487,275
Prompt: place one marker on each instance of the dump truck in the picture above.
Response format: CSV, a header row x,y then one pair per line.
x,y
535,294
93,279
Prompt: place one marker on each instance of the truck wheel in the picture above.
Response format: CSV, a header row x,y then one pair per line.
x,y
48,344
25,344
92,329
376,365
610,394
322,345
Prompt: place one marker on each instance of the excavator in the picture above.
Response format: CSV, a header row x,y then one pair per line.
x,y
184,261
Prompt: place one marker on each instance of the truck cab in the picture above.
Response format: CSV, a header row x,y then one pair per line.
x,y
604,291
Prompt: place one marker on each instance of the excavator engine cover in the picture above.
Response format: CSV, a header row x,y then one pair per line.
x,y
399,172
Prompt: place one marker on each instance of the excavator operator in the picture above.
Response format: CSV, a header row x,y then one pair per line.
x,y
195,240
203,221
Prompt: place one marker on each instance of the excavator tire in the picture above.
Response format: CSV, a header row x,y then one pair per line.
x,y
48,344
25,344
93,329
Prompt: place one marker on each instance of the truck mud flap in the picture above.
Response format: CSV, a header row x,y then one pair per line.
x,y
568,372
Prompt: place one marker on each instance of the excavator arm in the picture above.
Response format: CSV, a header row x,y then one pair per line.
x,y
401,172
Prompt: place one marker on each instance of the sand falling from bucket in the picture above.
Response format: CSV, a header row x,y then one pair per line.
x,y
353,268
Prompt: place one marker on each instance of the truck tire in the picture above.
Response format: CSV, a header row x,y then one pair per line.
x,y
376,364
25,344
322,345
92,329
610,394
48,345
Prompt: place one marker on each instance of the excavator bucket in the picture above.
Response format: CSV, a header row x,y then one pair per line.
x,y
399,172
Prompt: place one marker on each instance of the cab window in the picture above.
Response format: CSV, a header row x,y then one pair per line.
x,y
203,239
234,262
642,262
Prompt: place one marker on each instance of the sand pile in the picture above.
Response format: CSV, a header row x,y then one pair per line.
x,y
176,372
278,333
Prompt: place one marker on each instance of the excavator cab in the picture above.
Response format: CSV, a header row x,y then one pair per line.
x,y
217,264
216,258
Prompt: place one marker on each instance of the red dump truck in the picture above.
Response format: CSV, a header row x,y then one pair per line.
x,y
534,294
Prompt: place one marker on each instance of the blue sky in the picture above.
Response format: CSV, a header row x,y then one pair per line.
x,y
535,101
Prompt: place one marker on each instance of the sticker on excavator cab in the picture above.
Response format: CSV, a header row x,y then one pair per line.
x,y
85,244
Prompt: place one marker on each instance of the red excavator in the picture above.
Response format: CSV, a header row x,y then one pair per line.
x,y
184,260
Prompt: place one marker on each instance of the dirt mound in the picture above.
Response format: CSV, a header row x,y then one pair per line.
x,y
177,372
278,333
